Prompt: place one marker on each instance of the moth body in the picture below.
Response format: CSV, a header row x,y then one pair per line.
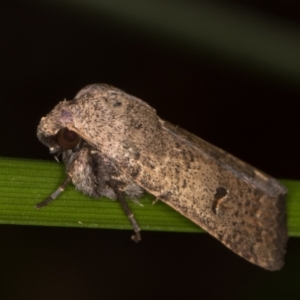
x,y
115,145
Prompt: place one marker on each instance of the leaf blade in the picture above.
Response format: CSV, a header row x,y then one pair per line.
x,y
24,183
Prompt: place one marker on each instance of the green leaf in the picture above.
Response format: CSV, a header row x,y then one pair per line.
x,y
24,183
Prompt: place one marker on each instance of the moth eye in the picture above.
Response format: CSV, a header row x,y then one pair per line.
x,y
66,138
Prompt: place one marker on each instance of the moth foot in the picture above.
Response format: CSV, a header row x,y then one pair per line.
x,y
136,237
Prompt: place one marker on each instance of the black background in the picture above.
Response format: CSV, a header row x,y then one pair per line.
x,y
48,55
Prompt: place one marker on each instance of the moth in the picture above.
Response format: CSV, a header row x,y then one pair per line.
x,y
114,145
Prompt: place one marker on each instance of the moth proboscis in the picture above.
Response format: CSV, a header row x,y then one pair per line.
x,y
114,145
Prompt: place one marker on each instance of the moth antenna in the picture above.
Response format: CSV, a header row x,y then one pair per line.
x,y
120,196
60,189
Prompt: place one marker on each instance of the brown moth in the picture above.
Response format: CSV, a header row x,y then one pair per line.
x,y
115,145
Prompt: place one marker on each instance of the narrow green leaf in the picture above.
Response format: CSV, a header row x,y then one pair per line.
x,y
24,183
245,38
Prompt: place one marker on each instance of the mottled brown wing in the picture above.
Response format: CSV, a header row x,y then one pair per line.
x,y
236,203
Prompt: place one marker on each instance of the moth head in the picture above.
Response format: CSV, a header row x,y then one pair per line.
x,y
54,129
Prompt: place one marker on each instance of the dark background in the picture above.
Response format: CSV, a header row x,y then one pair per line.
x,y
48,55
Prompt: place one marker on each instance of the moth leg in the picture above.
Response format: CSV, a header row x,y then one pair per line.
x,y
61,188
155,201
120,196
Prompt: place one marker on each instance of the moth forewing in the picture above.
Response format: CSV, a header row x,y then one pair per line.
x,y
126,147
236,203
